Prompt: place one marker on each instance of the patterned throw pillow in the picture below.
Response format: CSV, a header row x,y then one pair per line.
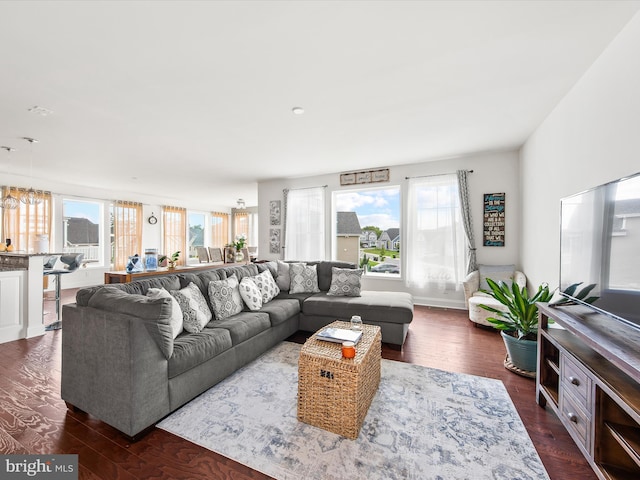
x,y
345,282
250,293
176,311
225,297
267,286
195,311
304,278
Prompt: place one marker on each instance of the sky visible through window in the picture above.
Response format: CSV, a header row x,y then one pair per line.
x,y
82,209
379,208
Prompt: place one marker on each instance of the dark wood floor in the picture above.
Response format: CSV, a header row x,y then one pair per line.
x,y
33,418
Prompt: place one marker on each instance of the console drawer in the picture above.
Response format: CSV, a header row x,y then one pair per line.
x,y
576,381
576,419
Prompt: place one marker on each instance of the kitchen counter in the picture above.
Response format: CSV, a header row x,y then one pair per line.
x,y
21,295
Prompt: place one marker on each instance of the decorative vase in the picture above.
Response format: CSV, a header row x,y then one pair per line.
x,y
523,354
239,256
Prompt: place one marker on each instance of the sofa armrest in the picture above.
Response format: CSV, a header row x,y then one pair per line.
x,y
470,285
113,369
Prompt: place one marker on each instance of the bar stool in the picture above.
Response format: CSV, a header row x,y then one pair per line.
x,y
72,262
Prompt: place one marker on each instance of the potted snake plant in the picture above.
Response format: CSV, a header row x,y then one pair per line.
x,y
518,325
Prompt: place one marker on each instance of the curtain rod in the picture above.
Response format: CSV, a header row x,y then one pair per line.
x,y
307,188
436,175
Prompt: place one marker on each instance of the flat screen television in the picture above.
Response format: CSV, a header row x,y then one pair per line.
x,y
600,244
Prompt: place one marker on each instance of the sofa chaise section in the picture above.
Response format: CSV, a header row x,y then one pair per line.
x,y
391,311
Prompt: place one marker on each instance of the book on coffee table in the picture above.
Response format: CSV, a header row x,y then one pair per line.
x,y
339,335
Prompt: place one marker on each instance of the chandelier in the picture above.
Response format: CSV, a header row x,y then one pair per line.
x,y
30,196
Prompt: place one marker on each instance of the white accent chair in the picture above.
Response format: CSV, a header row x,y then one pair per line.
x,y
476,281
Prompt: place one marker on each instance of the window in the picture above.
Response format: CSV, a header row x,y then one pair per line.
x,y
219,229
126,232
196,233
174,224
27,224
304,234
241,225
436,240
81,228
368,229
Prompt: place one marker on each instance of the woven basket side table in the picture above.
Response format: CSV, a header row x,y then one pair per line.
x,y
335,393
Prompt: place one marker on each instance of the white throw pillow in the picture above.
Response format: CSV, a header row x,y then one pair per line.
x,y
250,293
195,311
267,285
176,312
304,278
225,297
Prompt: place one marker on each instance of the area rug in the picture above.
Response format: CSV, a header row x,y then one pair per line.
x,y
423,423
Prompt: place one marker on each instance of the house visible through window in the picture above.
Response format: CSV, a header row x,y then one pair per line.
x,y
196,233
368,229
81,227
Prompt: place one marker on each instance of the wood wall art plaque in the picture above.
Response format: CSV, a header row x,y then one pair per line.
x,y
368,176
493,220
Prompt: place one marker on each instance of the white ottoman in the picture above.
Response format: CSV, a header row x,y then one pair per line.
x,y
480,315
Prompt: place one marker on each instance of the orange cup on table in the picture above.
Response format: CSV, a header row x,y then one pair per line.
x,y
348,349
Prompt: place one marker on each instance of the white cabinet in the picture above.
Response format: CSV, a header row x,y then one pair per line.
x,y
11,305
21,296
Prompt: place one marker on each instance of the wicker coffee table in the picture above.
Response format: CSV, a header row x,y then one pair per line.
x,y
335,393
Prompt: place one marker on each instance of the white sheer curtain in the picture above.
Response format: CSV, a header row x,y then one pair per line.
x,y
304,224
436,241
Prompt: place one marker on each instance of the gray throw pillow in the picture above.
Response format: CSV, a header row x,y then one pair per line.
x,y
284,276
304,278
176,311
345,282
195,311
225,297
497,273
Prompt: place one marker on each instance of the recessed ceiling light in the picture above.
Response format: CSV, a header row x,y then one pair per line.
x,y
297,110
40,110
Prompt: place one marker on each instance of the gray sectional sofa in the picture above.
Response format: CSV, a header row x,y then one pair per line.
x,y
122,364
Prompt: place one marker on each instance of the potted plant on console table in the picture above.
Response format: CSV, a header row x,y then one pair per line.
x,y
519,324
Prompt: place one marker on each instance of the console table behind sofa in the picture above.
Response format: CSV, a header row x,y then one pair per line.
x,y
126,277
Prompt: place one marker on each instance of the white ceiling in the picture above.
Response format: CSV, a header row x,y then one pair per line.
x,y
194,99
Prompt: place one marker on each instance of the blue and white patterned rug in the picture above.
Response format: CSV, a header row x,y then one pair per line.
x,y
423,424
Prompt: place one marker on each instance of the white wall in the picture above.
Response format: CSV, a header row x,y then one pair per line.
x,y
591,137
493,172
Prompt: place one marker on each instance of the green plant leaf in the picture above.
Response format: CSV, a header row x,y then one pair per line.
x,y
522,314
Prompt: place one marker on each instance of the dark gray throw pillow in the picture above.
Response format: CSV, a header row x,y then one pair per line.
x,y
345,282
